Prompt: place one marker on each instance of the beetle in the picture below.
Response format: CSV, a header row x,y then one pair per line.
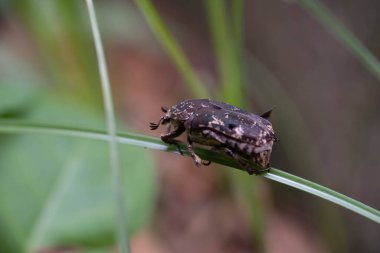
x,y
242,135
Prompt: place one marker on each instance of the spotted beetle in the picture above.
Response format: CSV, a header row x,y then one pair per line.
x,y
242,135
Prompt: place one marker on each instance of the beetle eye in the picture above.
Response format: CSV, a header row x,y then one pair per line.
x,y
231,126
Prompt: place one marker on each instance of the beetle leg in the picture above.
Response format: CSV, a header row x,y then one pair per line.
x,y
241,162
169,137
220,139
197,160
169,128
245,164
262,170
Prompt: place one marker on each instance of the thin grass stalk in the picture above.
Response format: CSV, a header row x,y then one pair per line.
x,y
121,227
229,71
237,18
257,207
172,48
348,39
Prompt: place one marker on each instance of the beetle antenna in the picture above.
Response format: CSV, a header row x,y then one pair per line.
x,y
154,126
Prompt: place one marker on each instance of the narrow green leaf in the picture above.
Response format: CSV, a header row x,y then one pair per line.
x,y
172,48
325,193
227,34
349,40
155,143
122,234
225,50
238,32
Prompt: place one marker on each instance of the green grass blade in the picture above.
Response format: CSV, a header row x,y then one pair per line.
x,y
353,44
226,26
227,58
155,143
325,193
237,10
122,236
172,48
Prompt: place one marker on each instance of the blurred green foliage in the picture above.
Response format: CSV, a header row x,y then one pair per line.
x,y
58,191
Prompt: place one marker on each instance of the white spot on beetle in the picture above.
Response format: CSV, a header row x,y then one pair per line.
x,y
216,121
238,132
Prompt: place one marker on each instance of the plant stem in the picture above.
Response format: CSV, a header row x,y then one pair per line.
x,y
349,40
155,143
172,48
121,224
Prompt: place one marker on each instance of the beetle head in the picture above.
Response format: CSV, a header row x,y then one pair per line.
x,y
163,120
263,157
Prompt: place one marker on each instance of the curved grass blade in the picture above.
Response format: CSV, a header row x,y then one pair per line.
x,y
349,40
155,143
172,48
325,193
122,236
